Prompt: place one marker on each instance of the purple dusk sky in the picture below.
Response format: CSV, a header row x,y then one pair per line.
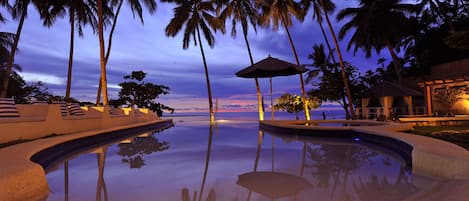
x,y
44,56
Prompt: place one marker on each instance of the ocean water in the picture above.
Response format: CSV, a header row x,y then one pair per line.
x,y
253,116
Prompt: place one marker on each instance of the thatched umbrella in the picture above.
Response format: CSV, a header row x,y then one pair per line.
x,y
268,68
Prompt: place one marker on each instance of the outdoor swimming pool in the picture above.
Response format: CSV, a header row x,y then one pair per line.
x,y
231,161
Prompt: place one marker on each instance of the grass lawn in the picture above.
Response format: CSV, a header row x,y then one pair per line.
x,y
455,134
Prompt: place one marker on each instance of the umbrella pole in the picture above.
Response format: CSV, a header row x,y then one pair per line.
x,y
271,99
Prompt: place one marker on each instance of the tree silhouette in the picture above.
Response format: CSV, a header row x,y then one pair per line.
x,y
244,12
378,24
133,153
196,17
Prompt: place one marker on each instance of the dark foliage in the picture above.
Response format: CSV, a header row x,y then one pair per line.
x,y
137,92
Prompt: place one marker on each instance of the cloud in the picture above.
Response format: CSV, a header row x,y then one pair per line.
x,y
45,78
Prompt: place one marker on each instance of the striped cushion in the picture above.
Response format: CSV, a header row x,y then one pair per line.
x,y
8,108
75,109
113,110
63,108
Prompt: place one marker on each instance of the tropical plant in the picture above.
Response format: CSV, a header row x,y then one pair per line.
x,y
195,16
4,3
80,13
378,24
133,153
433,42
324,76
19,12
323,8
280,12
293,103
244,12
21,90
6,41
137,92
137,8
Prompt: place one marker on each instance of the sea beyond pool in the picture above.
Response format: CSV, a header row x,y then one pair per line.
x,y
333,113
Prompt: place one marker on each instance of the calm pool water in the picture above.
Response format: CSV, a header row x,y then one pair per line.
x,y
231,162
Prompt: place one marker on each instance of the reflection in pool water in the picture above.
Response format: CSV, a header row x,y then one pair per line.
x,y
231,162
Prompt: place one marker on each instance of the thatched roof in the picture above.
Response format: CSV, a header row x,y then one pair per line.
x,y
453,70
270,67
392,89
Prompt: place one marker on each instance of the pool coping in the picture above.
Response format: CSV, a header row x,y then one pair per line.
x,y
22,179
429,156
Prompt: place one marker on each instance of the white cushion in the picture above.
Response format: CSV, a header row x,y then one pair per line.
x,y
75,109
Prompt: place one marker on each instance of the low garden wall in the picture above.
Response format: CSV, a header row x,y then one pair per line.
x,y
37,121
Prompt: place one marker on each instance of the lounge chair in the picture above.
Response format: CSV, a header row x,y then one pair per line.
x,y
63,108
75,109
8,108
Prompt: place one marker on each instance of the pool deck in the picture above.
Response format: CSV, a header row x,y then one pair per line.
x,y
22,179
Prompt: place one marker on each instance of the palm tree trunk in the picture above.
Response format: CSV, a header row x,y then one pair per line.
x,y
258,89
395,61
108,52
70,57
101,52
101,163
303,93
329,47
207,160
114,22
11,59
333,60
209,90
342,65
98,96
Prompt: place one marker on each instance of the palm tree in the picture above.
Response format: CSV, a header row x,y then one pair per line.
x,y
136,8
323,8
280,11
6,42
101,4
19,11
330,88
195,16
80,12
4,3
378,24
244,12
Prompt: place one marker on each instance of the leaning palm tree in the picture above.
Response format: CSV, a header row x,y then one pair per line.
x,y
323,8
80,13
244,12
195,16
101,4
19,11
137,8
378,24
4,3
280,12
6,42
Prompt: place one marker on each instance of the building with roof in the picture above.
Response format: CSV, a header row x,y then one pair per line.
x,y
447,89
